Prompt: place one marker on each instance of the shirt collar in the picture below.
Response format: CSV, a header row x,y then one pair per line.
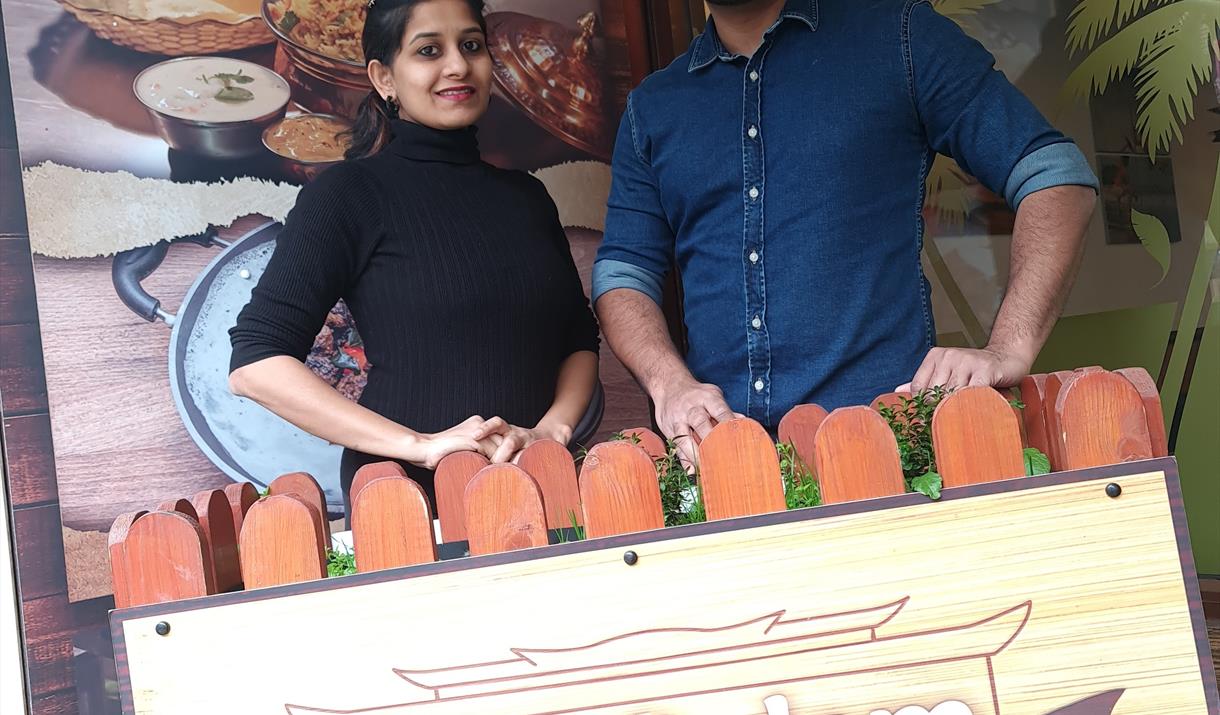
x,y
706,47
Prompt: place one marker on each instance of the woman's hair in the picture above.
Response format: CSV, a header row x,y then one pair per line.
x,y
384,27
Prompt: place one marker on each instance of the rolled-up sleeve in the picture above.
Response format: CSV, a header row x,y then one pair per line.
x,y
973,114
637,248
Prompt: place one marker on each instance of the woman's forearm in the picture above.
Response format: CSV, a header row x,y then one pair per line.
x,y
291,390
573,390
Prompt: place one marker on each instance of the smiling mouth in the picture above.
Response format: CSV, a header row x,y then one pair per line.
x,y
456,94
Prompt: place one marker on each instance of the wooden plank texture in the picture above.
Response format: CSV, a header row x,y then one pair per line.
x,y
453,474
504,511
976,437
1151,397
281,542
856,457
798,428
220,536
371,472
31,465
1101,419
167,559
392,525
739,471
619,491
550,464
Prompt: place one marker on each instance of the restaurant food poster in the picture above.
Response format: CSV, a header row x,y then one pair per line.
x,y
134,328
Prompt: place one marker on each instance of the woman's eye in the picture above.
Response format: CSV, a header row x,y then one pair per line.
x,y
429,51
472,46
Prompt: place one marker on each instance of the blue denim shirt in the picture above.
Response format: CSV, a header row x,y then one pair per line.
x,y
788,186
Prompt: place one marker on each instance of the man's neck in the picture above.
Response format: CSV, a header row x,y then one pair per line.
x,y
741,27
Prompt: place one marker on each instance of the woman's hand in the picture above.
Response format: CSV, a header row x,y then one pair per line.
x,y
474,434
514,438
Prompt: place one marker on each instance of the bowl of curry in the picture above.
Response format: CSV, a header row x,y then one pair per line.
x,y
306,144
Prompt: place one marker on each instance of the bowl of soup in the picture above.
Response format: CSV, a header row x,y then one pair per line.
x,y
212,106
308,143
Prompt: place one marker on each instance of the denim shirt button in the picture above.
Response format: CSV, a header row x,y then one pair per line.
x,y
757,323
758,385
752,131
753,75
753,192
753,256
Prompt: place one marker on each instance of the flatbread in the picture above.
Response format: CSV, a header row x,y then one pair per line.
x,y
76,213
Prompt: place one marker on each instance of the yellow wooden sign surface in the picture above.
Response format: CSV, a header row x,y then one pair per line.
x,y
1049,599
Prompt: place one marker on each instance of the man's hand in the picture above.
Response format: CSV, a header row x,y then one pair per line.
x,y
952,368
687,412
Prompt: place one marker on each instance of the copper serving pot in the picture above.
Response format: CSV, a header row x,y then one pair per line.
x,y
320,83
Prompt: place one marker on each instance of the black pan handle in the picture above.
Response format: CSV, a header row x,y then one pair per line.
x,y
131,267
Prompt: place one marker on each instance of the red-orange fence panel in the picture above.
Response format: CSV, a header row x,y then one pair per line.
x,y
1151,396
648,440
166,559
216,520
392,525
1102,421
304,486
504,511
119,578
618,490
551,465
241,497
182,506
453,475
739,471
976,437
856,456
1033,395
798,428
282,542
1055,383
371,472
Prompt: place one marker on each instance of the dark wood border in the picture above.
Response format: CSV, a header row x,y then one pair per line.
x,y
1166,465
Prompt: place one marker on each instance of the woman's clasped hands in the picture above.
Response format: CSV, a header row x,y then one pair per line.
x,y
494,438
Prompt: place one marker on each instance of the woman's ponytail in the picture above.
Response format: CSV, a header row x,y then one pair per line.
x,y
371,130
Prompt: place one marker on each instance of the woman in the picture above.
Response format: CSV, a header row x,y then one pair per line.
x,y
457,274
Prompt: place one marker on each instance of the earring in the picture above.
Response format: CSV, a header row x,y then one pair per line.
x,y
391,106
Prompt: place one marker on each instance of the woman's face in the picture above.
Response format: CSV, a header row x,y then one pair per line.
x,y
441,77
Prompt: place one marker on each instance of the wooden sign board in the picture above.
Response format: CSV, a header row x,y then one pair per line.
x,y
1033,596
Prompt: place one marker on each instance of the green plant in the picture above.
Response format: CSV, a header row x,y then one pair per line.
x,y
911,422
340,563
1036,462
681,500
577,532
800,488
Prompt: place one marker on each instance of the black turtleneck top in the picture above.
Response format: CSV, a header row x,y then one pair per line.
x,y
458,276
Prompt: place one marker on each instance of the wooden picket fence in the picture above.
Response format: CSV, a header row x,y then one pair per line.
x,y
230,539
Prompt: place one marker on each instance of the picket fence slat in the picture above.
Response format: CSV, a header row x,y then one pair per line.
x,y
976,438
618,490
166,559
551,465
372,472
116,549
799,427
1151,396
241,497
1102,421
281,542
220,538
453,475
649,441
504,511
856,456
739,471
392,525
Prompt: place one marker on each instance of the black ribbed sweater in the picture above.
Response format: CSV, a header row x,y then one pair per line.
x,y
458,275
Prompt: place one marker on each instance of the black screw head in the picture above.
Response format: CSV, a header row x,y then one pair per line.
x,y
630,558
1113,490
162,628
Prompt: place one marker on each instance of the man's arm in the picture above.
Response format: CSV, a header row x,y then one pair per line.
x,y
1047,244
636,330
971,112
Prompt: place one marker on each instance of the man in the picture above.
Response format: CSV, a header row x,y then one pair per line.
x,y
780,165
